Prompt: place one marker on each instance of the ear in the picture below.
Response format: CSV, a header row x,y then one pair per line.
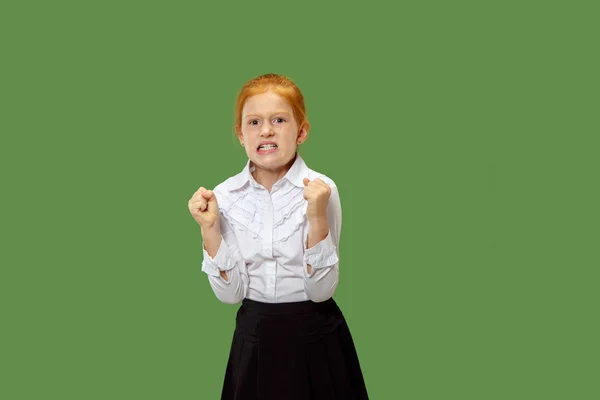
x,y
303,132
238,132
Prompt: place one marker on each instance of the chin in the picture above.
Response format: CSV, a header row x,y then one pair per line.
x,y
273,164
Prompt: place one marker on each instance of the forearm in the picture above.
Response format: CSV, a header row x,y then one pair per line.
x,y
223,262
318,230
321,274
211,238
321,280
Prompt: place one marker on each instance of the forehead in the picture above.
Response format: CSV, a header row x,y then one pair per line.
x,y
265,103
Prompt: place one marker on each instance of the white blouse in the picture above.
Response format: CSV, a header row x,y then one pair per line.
x,y
263,246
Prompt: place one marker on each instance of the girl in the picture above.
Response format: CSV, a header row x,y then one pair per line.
x,y
270,241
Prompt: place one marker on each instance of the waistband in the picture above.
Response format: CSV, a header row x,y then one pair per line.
x,y
292,308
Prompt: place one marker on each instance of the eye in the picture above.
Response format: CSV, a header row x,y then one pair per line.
x,y
253,122
279,120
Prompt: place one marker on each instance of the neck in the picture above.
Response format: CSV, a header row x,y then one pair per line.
x,y
267,178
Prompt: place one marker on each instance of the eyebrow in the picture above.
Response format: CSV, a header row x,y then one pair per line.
x,y
275,113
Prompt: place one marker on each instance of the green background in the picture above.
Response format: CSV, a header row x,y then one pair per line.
x,y
462,136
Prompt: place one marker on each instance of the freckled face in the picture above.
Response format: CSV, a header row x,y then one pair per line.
x,y
269,131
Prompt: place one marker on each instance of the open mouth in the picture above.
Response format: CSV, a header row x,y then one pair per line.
x,y
267,148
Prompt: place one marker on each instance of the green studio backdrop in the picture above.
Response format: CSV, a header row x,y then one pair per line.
x,y
461,135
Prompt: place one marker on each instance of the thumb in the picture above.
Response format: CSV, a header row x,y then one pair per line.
x,y
306,181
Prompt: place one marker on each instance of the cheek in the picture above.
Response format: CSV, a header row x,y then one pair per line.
x,y
250,132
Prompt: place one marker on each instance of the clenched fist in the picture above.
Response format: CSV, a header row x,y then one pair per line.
x,y
203,207
317,194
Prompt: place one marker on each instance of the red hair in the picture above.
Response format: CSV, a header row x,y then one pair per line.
x,y
278,84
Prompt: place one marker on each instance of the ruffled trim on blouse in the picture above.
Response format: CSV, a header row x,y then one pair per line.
x,y
243,210
290,215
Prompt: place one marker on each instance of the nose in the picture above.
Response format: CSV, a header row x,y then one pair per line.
x,y
267,130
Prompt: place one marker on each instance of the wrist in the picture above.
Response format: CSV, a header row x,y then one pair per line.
x,y
210,231
211,240
318,220
318,227
316,233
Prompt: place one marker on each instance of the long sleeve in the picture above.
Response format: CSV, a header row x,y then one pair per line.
x,y
320,285
229,259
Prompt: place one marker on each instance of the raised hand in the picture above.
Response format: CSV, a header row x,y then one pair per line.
x,y
317,194
204,208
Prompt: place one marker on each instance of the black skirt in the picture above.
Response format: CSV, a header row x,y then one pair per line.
x,y
292,351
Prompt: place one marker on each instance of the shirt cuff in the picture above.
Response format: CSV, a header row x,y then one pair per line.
x,y
323,254
224,260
